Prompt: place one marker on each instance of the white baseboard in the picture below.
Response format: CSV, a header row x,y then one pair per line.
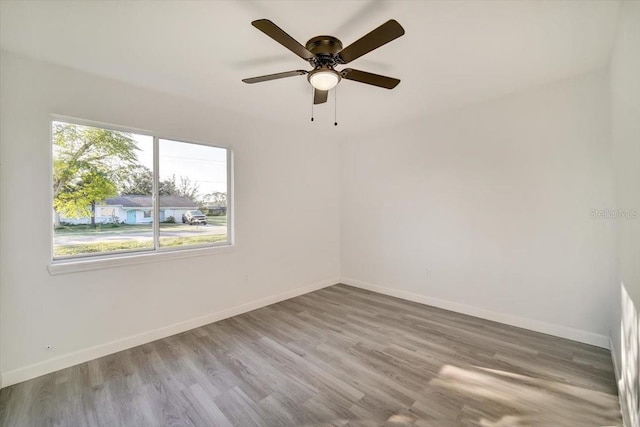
x,y
508,319
32,371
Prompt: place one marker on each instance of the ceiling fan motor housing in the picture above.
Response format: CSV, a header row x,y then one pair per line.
x,y
324,44
325,50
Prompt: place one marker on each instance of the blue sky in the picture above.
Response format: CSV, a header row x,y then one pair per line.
x,y
203,164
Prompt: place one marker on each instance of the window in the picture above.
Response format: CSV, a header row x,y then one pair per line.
x,y
109,186
107,212
198,174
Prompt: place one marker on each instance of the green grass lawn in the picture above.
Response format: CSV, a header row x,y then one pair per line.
x,y
165,242
217,220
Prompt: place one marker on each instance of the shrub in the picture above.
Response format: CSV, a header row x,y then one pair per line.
x,y
169,220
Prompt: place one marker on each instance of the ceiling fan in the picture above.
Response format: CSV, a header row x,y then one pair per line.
x,y
324,53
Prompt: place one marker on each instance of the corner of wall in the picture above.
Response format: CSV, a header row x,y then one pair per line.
x,y
626,422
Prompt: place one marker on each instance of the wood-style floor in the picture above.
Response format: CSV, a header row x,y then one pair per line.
x,y
340,356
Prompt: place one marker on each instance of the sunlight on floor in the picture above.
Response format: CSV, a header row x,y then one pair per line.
x,y
501,398
400,419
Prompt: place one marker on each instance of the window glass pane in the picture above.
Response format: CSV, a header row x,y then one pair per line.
x,y
102,190
193,194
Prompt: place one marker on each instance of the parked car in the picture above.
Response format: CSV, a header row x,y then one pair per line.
x,y
194,217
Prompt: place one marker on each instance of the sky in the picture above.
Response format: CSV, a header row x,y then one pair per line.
x,y
203,164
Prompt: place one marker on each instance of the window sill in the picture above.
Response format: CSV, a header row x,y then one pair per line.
x,y
78,265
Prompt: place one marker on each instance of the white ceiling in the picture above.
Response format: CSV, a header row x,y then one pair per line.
x,y
454,53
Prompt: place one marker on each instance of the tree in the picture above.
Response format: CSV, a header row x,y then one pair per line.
x,y
88,164
138,181
217,199
167,187
184,188
187,188
78,195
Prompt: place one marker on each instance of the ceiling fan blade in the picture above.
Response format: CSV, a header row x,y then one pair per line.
x,y
382,35
276,33
274,76
369,78
320,96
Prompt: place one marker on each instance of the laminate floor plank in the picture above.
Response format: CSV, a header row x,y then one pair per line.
x,y
340,356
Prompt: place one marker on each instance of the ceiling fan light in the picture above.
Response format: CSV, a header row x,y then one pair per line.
x,y
325,79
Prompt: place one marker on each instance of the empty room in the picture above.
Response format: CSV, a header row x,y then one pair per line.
x,y
320,213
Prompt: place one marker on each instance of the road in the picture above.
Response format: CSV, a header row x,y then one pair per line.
x,y
96,237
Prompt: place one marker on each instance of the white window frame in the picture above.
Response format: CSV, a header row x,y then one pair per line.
x,y
85,262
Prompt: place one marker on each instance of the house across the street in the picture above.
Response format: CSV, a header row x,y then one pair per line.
x,y
137,210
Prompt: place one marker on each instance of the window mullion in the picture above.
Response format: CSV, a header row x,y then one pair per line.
x,y
156,194
229,207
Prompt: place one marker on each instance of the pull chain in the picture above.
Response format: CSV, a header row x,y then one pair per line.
x,y
335,106
312,93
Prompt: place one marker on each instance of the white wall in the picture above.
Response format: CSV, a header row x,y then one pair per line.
x,y
625,126
286,233
486,209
